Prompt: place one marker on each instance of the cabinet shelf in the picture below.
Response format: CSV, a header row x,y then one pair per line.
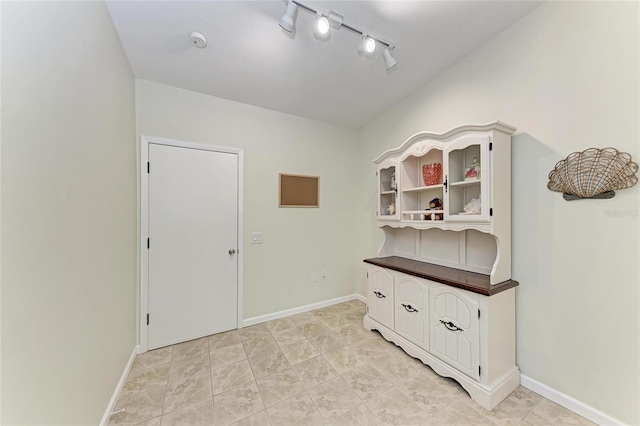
x,y
423,188
387,192
465,183
472,218
422,211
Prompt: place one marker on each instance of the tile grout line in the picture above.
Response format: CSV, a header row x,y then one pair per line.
x,y
213,389
164,395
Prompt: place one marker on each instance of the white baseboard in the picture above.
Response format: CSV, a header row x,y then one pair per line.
x,y
360,298
301,309
116,393
568,402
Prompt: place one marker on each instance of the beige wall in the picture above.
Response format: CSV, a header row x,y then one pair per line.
x,y
567,76
68,212
296,241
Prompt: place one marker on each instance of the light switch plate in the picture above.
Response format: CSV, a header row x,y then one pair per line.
x,y
256,238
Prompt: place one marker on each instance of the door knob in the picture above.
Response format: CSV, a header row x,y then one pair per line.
x,y
232,251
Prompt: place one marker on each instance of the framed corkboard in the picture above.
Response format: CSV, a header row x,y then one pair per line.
x,y
298,191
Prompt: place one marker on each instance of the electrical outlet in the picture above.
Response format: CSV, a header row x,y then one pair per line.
x,y
323,275
314,277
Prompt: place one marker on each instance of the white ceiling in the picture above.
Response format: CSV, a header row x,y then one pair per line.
x,y
250,59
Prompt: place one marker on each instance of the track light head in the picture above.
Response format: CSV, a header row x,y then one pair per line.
x,y
322,24
367,45
389,61
323,27
287,21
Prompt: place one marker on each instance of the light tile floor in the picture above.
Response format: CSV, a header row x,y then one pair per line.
x,y
315,368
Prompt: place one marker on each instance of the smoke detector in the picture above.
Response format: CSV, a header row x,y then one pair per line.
x,y
198,40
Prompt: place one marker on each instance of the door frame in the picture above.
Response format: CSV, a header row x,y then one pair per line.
x,y
143,304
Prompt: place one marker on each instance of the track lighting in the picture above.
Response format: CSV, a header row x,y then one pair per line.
x,y
389,61
287,21
327,20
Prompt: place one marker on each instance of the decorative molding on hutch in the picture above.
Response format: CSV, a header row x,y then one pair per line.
x,y
497,125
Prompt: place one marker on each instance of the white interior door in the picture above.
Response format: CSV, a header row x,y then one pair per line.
x,y
193,232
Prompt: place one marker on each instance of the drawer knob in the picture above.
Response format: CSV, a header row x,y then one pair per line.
x,y
451,326
409,308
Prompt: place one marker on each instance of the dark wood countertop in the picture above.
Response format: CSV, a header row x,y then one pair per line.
x,y
477,283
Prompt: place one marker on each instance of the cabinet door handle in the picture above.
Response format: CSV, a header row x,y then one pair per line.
x,y
445,183
409,308
451,326
379,295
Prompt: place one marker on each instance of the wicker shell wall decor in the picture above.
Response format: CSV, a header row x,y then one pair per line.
x,y
593,173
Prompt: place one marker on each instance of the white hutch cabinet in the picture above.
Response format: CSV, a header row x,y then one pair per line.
x,y
441,287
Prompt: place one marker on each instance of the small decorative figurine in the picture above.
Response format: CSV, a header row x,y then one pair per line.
x,y
392,208
434,204
411,216
472,171
392,184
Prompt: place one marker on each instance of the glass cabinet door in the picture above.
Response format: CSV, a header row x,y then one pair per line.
x,y
467,175
388,192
